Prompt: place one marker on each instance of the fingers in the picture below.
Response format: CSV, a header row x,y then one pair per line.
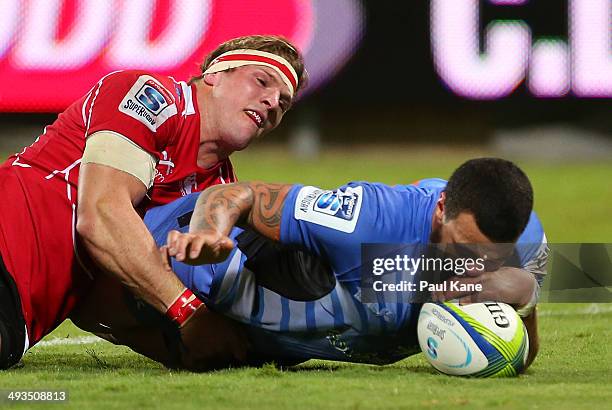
x,y
466,300
199,248
171,242
468,289
184,245
508,285
165,256
438,296
193,247
474,272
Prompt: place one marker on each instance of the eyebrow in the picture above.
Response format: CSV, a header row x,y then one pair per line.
x,y
283,95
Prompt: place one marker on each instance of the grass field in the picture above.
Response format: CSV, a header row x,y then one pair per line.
x,y
572,371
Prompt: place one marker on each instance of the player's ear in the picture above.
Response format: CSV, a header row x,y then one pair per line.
x,y
211,79
439,212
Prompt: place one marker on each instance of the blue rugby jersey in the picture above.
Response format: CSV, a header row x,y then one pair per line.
x,y
333,224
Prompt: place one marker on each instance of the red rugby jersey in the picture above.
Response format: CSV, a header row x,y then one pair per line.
x,y
38,215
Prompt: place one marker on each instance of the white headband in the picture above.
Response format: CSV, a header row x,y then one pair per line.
x,y
238,58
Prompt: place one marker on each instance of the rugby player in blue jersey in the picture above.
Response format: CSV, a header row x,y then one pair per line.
x,y
288,306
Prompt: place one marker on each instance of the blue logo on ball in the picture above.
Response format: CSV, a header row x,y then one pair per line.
x,y
431,347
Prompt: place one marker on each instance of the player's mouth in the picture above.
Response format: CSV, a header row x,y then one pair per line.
x,y
256,117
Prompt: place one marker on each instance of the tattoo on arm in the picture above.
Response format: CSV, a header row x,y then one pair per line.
x,y
265,215
257,204
219,207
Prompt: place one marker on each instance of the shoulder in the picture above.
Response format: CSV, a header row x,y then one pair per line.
x,y
129,76
137,82
534,231
431,183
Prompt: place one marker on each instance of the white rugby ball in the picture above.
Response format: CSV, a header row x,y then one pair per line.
x,y
477,339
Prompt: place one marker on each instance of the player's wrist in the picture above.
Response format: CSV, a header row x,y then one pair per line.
x,y
527,308
183,307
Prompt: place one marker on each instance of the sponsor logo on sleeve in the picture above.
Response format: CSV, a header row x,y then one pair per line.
x,y
148,102
338,209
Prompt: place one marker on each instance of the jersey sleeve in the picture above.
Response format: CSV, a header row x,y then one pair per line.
x,y
335,223
136,105
532,249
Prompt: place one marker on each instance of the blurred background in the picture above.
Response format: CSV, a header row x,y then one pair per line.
x,y
398,90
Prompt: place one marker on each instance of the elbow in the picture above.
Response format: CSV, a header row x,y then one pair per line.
x,y
89,223
85,225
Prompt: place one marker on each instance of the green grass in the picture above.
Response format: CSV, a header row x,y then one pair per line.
x,y
572,370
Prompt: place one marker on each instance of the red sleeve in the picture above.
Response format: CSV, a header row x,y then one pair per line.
x,y
138,105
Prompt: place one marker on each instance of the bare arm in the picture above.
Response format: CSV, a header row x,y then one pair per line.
x,y
531,323
218,209
509,285
117,238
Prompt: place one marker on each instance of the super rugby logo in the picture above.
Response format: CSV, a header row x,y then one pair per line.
x,y
337,203
338,209
432,346
148,102
151,95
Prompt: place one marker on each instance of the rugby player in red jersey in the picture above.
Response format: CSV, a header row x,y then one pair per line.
x,y
74,198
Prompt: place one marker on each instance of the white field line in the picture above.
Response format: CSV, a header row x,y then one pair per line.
x,y
63,341
592,309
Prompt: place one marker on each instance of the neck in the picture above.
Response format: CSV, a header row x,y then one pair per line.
x,y
211,150
210,153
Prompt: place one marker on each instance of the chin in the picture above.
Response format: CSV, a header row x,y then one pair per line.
x,y
237,143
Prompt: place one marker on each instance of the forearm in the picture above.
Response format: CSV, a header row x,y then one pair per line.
x,y
119,242
255,204
221,207
521,291
518,287
531,324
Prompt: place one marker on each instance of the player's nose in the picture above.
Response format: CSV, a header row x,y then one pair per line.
x,y
271,98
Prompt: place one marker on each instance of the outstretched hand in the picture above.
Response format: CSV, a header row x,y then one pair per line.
x,y
508,285
199,248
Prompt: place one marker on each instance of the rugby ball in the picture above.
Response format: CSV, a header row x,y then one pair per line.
x,y
477,339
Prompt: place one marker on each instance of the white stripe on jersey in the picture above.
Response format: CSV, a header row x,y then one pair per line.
x,y
349,310
241,307
272,314
297,315
229,276
221,176
83,108
189,106
88,122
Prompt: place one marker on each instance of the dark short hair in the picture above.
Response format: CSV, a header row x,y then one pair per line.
x,y
496,192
